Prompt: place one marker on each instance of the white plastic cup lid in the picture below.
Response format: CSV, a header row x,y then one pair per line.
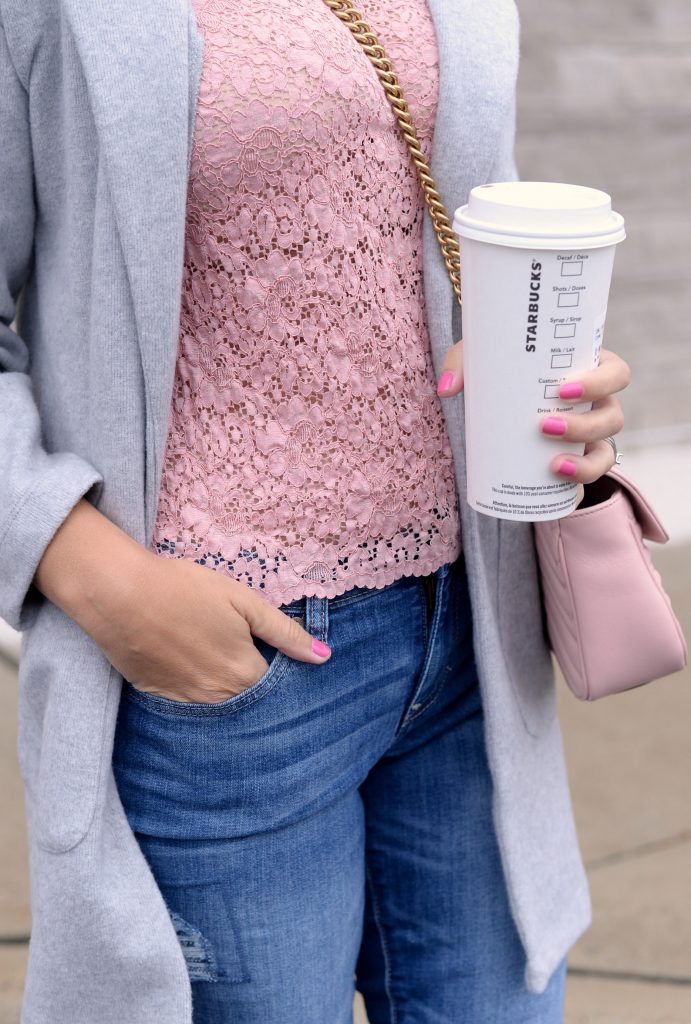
x,y
539,215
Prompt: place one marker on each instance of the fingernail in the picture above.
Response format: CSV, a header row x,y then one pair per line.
x,y
571,390
568,467
554,425
323,650
445,381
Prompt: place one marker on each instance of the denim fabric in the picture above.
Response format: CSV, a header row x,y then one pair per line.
x,y
330,828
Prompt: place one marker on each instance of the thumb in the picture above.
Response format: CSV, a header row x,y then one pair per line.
x,y
451,378
283,631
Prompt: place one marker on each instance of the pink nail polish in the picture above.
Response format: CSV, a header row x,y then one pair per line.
x,y
554,425
568,467
445,381
319,648
571,390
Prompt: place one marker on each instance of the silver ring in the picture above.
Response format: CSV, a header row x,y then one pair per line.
x,y
617,453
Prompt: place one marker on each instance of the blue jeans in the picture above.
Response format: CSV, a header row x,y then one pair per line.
x,y
330,828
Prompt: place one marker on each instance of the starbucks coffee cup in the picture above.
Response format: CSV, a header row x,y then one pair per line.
x,y
536,266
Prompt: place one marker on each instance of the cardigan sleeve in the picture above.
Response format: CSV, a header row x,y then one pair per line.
x,y
38,489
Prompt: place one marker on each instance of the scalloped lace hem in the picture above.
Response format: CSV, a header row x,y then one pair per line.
x,y
279,593
378,579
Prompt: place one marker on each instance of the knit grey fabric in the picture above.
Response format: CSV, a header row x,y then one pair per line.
x,y
97,104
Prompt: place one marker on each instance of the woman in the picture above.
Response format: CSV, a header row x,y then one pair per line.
x,y
337,755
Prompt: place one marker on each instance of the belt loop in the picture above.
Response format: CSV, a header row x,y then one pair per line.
x,y
317,616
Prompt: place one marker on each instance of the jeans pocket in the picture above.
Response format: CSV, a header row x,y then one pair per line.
x,y
278,664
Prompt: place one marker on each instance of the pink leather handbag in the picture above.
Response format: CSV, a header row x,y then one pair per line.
x,y
610,622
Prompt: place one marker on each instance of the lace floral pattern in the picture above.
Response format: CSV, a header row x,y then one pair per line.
x,y
307,450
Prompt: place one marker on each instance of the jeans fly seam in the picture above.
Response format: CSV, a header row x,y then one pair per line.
x,y
443,594
410,715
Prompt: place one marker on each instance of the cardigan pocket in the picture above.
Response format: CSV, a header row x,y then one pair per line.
x,y
70,675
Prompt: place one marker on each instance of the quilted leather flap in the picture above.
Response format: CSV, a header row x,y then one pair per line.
x,y
648,519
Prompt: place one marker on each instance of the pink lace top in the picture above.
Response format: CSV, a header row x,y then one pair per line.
x,y
307,450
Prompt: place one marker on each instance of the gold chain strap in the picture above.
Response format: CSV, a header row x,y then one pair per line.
x,y
384,68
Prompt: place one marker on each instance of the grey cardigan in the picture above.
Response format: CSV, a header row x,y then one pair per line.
x,y
97,105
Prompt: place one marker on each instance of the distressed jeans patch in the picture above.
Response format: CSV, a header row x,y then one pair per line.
x,y
197,950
